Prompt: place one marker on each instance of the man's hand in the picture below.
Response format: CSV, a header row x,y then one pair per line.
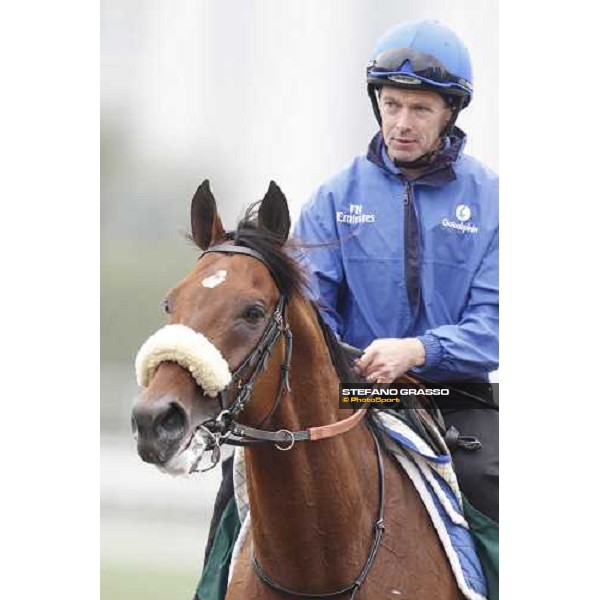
x,y
387,359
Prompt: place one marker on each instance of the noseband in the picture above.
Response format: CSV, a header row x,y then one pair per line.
x,y
224,429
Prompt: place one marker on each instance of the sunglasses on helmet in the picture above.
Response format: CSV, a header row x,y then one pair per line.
x,y
388,66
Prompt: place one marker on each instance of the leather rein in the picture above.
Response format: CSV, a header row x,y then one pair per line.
x,y
224,429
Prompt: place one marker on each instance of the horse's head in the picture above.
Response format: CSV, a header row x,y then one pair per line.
x,y
220,313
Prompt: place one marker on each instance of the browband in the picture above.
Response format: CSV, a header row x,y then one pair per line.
x,y
233,249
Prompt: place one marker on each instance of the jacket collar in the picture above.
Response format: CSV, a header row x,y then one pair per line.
x,y
441,170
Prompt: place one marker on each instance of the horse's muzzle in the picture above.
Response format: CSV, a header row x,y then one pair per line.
x,y
160,427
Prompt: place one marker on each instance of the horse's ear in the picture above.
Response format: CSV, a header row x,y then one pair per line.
x,y
206,223
273,213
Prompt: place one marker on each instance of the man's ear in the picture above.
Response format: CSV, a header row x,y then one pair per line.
x,y
274,214
206,223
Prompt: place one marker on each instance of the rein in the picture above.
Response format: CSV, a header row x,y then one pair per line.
x,y
224,429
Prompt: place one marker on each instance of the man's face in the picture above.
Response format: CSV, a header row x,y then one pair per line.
x,y
411,121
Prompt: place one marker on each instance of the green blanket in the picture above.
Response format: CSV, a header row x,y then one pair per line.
x,y
213,583
485,532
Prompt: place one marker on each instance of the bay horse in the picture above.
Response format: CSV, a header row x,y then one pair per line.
x,y
332,513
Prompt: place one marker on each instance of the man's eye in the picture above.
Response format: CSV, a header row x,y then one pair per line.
x,y
165,306
253,314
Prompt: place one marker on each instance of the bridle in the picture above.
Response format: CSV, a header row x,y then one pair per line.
x,y
224,429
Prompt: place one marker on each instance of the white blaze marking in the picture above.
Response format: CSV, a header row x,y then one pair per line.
x,y
214,280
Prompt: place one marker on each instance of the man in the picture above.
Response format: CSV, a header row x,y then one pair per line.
x,y
403,249
403,244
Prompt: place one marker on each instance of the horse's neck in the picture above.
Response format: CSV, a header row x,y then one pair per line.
x,y
313,507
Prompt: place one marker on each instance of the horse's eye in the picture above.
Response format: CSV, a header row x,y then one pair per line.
x,y
254,313
165,305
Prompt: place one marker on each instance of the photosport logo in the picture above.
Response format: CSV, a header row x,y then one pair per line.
x,y
463,214
428,395
382,395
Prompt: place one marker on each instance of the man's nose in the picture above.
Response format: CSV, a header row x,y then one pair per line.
x,y
404,122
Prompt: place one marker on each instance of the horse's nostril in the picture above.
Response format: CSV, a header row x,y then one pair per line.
x,y
172,424
134,427
150,454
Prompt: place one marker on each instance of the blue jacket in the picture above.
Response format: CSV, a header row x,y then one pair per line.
x,y
355,223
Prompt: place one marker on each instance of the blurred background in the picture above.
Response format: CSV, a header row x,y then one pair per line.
x,y
240,92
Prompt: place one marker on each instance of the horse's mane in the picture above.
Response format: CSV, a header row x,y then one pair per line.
x,y
291,280
339,357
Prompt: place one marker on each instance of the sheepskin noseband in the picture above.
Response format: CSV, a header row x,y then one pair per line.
x,y
183,345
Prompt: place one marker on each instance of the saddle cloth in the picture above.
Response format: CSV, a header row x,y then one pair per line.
x,y
434,479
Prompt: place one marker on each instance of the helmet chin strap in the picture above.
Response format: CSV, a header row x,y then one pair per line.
x,y
422,161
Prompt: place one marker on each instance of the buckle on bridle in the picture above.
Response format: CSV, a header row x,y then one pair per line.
x,y
224,420
244,395
216,431
200,435
292,441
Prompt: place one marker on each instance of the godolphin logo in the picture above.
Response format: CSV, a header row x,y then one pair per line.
x,y
463,213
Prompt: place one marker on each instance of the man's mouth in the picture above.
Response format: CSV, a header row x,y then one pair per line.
x,y
403,142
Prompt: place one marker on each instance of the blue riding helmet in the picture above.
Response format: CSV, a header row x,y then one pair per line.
x,y
422,55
